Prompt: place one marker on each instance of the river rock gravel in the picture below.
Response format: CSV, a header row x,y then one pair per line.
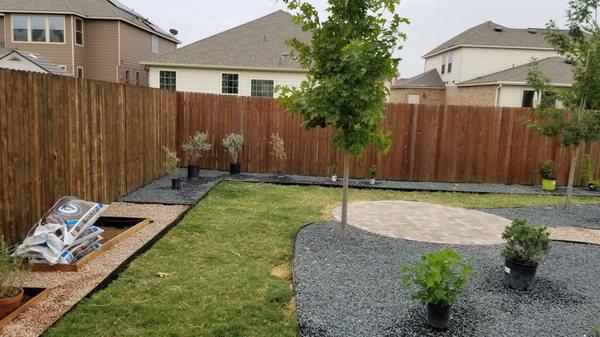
x,y
587,216
352,287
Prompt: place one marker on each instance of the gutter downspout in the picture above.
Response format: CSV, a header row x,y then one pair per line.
x,y
498,94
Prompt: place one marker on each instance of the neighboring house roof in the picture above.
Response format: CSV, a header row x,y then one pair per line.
x,y
557,68
490,34
94,9
430,79
37,59
259,44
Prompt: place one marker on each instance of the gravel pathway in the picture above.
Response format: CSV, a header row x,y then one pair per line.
x,y
587,216
409,185
160,191
353,288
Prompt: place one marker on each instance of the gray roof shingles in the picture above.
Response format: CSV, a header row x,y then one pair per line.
x,y
37,59
429,79
257,44
486,34
557,68
106,9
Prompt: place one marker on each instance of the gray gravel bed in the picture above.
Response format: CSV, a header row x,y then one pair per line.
x,y
353,288
160,191
410,185
587,216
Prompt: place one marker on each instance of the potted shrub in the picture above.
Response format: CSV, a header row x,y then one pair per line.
x,y
172,165
372,174
279,152
233,144
547,171
333,172
11,296
595,185
196,145
437,282
522,254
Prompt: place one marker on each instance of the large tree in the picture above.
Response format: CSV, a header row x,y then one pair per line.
x,y
349,60
579,121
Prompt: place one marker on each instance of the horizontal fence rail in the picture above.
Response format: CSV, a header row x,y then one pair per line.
x,y
66,136
430,143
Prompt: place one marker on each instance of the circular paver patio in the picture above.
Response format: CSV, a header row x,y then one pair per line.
x,y
425,222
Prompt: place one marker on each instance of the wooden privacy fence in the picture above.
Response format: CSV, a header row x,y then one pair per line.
x,y
65,136
430,143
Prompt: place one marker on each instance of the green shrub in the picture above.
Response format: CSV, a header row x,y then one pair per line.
x,y
525,244
10,272
596,332
372,172
547,170
171,160
233,143
197,144
596,184
586,169
439,278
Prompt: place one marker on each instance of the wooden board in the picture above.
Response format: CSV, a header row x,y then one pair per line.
x,y
36,296
91,256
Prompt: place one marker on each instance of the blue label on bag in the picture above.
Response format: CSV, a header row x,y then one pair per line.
x,y
68,209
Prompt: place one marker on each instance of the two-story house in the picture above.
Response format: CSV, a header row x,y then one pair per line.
x,y
95,39
486,65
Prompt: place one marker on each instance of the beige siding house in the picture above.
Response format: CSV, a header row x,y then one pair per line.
x,y
248,60
96,39
485,66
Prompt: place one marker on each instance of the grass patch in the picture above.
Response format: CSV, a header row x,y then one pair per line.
x,y
596,332
222,266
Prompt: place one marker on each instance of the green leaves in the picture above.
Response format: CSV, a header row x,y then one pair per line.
x,y
439,278
525,244
349,61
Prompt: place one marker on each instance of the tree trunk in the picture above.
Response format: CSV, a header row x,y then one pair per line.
x,y
345,195
574,160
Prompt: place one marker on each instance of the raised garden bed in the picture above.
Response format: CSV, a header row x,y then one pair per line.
x,y
116,229
31,297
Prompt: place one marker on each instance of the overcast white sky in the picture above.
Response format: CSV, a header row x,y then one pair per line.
x,y
432,21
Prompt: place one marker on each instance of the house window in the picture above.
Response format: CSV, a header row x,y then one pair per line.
x,y
79,31
444,64
168,80
56,26
528,96
450,61
230,84
155,44
79,72
20,28
38,28
262,88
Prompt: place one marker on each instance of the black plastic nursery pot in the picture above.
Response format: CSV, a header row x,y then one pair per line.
x,y
438,316
235,168
193,171
519,276
176,183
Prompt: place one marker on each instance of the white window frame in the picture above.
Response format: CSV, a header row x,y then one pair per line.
x,y
262,79
155,44
450,62
29,37
82,72
75,32
221,83
444,58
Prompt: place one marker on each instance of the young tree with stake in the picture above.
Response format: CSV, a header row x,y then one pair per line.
x,y
579,121
349,60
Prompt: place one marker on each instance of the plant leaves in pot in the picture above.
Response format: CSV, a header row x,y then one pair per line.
x,y
547,172
437,282
11,296
524,249
194,148
233,143
171,165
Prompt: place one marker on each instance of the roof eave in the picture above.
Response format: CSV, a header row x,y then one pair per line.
x,y
417,87
509,83
431,54
171,38
206,66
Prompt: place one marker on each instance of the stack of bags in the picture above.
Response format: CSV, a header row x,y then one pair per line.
x,y
65,234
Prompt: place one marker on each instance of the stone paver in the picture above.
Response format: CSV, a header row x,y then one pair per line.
x,y
419,221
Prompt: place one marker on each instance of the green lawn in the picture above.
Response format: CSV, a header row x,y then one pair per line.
x,y
219,261
597,330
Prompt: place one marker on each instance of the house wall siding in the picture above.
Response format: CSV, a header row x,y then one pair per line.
x,y
428,96
2,34
474,96
436,62
512,96
59,53
101,50
209,80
